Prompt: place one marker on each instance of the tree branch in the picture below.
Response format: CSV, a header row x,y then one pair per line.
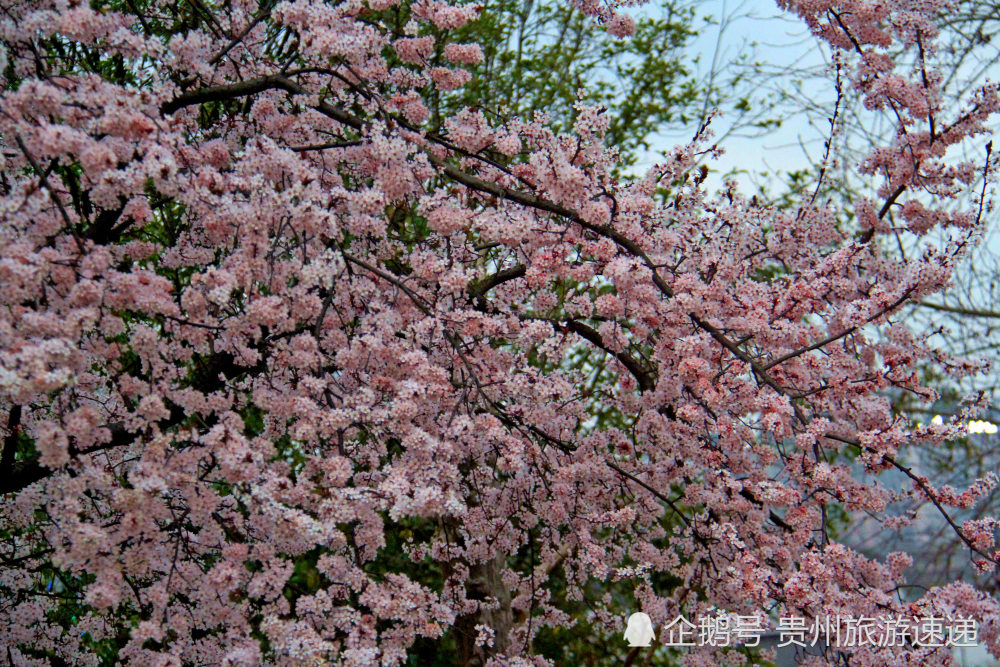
x,y
960,310
645,376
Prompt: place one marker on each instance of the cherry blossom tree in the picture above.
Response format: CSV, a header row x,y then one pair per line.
x,y
290,365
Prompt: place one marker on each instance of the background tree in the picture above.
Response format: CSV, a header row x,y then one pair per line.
x,y
274,317
547,57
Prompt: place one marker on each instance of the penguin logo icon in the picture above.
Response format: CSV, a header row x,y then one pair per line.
x,y
639,631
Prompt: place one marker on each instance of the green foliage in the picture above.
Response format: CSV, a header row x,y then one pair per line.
x,y
544,57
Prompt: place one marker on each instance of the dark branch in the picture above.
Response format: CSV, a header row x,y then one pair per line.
x,y
643,375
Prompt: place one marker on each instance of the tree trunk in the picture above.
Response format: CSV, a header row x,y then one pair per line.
x,y
485,584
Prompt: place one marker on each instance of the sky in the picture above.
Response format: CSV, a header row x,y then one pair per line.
x,y
776,40
757,30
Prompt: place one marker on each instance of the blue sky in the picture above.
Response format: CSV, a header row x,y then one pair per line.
x,y
760,31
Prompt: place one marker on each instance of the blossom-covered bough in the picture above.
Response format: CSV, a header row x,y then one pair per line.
x,y
289,368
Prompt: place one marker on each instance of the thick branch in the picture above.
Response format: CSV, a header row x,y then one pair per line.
x,y
252,87
479,288
10,441
534,201
643,375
